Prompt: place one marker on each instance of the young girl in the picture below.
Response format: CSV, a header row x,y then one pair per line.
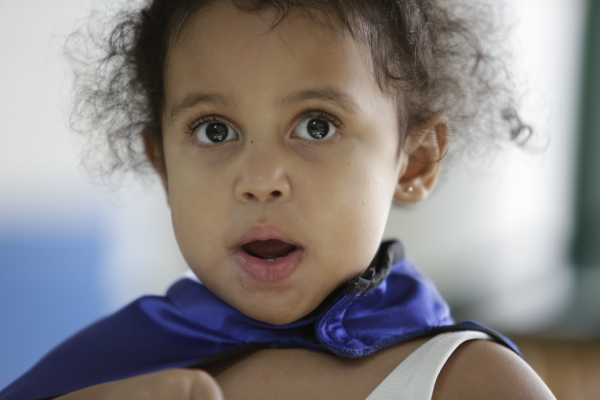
x,y
282,132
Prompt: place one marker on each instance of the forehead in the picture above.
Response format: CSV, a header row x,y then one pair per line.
x,y
240,53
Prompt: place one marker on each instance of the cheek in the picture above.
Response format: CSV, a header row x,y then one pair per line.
x,y
353,205
368,203
371,174
198,207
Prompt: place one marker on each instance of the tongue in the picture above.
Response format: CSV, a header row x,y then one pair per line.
x,y
268,249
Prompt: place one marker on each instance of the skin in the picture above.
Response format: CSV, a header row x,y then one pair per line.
x,y
331,197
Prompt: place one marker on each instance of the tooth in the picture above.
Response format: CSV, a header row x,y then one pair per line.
x,y
272,259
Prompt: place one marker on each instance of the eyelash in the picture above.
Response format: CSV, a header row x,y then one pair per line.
x,y
322,115
196,123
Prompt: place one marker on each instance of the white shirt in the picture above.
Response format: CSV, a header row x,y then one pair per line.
x,y
415,377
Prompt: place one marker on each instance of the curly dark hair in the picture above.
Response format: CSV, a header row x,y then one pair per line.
x,y
435,56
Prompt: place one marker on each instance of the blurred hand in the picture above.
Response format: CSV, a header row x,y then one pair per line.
x,y
172,384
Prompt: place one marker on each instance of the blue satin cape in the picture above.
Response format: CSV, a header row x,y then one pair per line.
x,y
191,327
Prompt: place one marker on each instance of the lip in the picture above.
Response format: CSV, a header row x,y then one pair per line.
x,y
265,232
264,271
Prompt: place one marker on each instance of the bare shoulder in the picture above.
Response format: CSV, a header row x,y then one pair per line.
x,y
482,369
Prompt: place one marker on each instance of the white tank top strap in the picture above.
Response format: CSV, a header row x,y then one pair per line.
x,y
415,377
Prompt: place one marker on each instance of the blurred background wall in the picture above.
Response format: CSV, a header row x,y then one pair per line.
x,y
496,237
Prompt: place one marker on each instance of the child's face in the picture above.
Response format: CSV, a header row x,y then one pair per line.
x,y
274,93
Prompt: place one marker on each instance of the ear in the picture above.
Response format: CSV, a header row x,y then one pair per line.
x,y
422,157
154,150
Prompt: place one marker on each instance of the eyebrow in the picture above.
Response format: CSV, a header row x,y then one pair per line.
x,y
343,100
195,98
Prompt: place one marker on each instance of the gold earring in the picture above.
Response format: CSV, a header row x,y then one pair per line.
x,y
410,189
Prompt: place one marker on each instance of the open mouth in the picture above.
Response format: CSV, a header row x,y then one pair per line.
x,y
268,250
267,255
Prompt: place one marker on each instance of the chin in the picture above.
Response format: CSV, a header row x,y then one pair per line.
x,y
277,319
276,311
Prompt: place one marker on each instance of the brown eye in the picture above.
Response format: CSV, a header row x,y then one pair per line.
x,y
215,132
315,129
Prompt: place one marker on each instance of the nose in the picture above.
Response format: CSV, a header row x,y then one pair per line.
x,y
263,182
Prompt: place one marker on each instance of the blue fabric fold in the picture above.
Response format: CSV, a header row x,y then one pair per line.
x,y
404,306
191,324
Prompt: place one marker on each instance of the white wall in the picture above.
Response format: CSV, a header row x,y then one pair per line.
x,y
41,182
495,236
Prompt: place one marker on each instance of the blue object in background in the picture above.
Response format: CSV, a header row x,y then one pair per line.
x,y
48,290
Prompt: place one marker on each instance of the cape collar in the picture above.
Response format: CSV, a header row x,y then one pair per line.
x,y
391,302
190,327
